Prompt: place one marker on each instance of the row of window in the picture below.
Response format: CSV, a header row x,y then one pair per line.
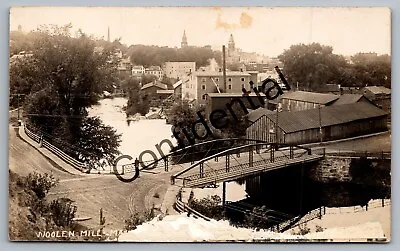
x,y
217,79
203,87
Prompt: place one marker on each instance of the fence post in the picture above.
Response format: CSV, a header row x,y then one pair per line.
x,y
227,163
166,164
383,203
320,213
324,210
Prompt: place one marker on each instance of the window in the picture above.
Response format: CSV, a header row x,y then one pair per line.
x,y
203,96
230,87
242,79
216,79
203,79
230,79
203,87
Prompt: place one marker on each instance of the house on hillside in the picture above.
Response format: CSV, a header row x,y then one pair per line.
x,y
154,70
178,69
317,124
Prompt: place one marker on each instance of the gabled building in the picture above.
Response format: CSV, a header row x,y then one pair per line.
x,y
318,124
301,100
152,88
154,70
379,95
350,99
200,83
178,70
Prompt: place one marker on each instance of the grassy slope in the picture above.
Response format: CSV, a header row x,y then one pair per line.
x,y
90,193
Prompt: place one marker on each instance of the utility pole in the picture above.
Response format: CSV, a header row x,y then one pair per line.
x,y
320,123
18,106
224,66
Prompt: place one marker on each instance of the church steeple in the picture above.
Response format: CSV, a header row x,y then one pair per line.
x,y
108,34
231,45
184,42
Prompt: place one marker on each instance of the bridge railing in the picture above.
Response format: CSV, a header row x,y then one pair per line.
x,y
181,207
241,167
68,159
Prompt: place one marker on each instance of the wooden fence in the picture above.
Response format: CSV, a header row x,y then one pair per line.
x,y
68,159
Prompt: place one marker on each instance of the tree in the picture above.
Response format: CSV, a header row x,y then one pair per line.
x,y
155,55
148,78
370,69
312,66
98,141
61,78
138,102
182,114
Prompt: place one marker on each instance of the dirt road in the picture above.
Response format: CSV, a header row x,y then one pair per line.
x,y
91,192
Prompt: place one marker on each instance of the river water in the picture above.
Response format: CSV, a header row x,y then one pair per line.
x,y
141,135
137,136
144,134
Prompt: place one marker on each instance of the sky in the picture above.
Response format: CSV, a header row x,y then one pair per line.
x,y
264,30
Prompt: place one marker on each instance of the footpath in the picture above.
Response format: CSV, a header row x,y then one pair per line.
x,y
54,159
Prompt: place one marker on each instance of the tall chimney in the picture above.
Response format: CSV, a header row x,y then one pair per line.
x,y
224,66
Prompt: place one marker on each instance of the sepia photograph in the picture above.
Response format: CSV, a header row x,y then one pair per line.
x,y
199,124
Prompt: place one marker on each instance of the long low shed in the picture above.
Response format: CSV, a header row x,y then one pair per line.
x,y
314,125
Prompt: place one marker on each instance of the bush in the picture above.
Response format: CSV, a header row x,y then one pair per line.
x,y
303,229
135,219
258,218
40,184
210,206
62,212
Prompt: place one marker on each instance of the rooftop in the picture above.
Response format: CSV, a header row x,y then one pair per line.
x,y
156,84
312,97
378,89
330,115
177,84
348,99
254,115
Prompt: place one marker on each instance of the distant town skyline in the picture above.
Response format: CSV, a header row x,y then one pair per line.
x,y
264,30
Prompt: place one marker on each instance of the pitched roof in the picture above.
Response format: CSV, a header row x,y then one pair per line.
x,y
154,68
330,115
177,84
258,113
154,83
312,97
347,99
378,89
